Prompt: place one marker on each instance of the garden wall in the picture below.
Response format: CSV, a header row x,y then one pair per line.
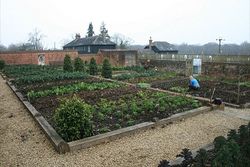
x,y
52,57
120,57
184,67
231,70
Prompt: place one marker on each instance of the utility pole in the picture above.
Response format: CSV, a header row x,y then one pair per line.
x,y
220,39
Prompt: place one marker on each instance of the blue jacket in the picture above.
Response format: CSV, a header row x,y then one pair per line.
x,y
194,83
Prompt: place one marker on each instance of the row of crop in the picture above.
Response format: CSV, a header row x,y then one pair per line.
x,y
231,152
73,88
45,77
21,70
136,75
106,115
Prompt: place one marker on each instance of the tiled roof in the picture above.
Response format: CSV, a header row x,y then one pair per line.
x,y
95,40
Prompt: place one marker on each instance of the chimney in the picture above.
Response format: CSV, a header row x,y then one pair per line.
x,y
78,36
150,43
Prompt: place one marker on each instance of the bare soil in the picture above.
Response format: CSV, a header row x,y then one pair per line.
x,y
226,91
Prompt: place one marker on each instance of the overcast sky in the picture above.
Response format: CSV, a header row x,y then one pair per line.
x,y
174,21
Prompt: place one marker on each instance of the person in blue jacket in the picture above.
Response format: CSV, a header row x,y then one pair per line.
x,y
193,83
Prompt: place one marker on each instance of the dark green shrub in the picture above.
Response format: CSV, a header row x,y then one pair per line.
x,y
92,67
73,119
67,65
232,135
164,163
187,155
106,69
201,159
219,142
78,64
223,157
243,134
2,64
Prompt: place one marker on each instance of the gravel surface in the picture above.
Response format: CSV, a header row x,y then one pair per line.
x,y
22,143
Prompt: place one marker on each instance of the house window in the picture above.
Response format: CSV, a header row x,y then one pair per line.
x,y
88,48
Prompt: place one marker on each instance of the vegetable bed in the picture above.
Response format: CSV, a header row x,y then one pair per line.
x,y
226,91
79,106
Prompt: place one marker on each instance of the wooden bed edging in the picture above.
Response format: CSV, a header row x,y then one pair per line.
x,y
59,144
62,146
110,136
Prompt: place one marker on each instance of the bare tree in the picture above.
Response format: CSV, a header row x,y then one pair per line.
x,y
121,41
35,38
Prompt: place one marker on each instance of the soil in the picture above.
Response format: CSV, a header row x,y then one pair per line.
x,y
227,92
47,105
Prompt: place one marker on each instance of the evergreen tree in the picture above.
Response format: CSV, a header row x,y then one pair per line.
x,y
79,65
90,32
103,31
92,67
2,64
67,66
106,69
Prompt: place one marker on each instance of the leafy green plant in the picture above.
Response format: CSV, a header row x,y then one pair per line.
x,y
219,142
61,90
164,163
106,69
73,119
67,64
187,155
143,85
104,130
46,77
178,89
2,64
92,67
130,122
201,159
78,64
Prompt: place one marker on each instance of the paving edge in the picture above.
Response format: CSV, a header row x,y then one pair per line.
x,y
62,146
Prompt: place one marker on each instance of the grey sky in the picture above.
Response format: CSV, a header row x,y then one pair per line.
x,y
174,21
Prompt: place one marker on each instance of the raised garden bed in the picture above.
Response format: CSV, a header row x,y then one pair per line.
x,y
228,92
104,106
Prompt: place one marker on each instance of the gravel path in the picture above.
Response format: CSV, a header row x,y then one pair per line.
x,y
22,143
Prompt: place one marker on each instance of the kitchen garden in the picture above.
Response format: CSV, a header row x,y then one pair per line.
x,y
79,105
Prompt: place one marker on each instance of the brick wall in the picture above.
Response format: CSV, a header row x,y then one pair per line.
x,y
180,66
87,57
119,57
229,70
31,57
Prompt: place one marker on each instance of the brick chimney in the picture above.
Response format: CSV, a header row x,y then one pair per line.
x,y
78,36
150,43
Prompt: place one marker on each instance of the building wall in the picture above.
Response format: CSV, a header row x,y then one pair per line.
x,y
119,57
31,57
